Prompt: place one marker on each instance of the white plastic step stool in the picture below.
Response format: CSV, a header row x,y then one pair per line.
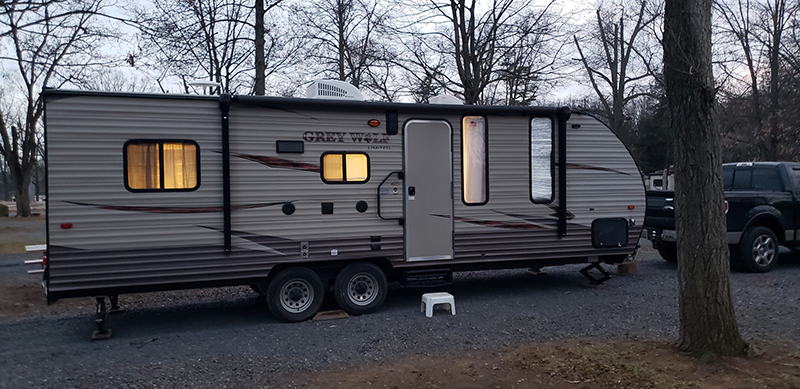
x,y
431,299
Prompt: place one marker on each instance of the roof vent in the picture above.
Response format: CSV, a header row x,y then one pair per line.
x,y
333,89
445,99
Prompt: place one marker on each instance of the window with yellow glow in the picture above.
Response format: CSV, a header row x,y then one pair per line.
x,y
161,165
473,160
345,168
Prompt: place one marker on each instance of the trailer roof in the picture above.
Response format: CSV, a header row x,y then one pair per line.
x,y
288,103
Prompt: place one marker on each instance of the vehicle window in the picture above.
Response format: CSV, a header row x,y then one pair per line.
x,y
161,165
727,178
766,179
541,160
741,179
796,177
473,160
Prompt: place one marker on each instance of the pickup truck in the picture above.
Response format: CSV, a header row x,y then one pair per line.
x,y
762,212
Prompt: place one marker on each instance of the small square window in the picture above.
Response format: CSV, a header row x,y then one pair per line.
x,y
339,168
161,165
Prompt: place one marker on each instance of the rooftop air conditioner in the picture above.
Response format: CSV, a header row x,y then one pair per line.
x,y
333,89
445,99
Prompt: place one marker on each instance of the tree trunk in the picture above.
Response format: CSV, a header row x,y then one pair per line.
x,y
774,76
23,197
260,83
707,321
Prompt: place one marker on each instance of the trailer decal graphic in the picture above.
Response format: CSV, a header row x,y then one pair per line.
x,y
497,224
570,215
544,222
598,168
280,163
130,208
261,240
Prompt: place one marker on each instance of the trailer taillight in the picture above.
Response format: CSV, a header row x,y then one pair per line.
x,y
44,260
631,207
374,123
66,226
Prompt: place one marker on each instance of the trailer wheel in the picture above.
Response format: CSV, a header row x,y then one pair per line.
x,y
360,288
758,250
295,294
668,251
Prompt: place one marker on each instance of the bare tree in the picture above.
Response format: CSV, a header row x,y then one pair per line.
x,y
348,41
778,14
707,320
202,39
738,24
791,54
619,67
51,43
261,48
511,42
758,28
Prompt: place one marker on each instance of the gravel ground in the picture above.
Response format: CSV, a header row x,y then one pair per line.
x,y
226,337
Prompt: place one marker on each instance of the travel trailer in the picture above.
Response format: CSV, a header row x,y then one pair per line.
x,y
301,197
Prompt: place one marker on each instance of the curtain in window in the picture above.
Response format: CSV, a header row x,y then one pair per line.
x,y
333,168
357,167
143,166
474,159
180,166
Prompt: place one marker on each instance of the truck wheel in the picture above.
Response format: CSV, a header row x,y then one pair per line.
x,y
295,294
360,288
668,251
758,250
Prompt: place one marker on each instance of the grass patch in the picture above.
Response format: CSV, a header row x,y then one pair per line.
x,y
16,247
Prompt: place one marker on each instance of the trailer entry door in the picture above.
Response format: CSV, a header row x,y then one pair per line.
x,y
428,160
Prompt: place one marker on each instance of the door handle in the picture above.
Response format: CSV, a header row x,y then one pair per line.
x,y
412,191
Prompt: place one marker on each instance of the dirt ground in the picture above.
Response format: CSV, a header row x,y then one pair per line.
x,y
576,363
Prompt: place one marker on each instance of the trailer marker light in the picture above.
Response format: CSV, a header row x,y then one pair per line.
x,y
374,123
631,207
66,226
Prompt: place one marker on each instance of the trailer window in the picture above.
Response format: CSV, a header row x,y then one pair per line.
x,y
161,165
473,160
541,160
338,168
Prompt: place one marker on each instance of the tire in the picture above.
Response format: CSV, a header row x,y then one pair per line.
x,y
758,250
295,294
360,288
668,251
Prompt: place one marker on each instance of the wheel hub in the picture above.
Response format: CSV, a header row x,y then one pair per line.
x,y
763,250
362,289
297,295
